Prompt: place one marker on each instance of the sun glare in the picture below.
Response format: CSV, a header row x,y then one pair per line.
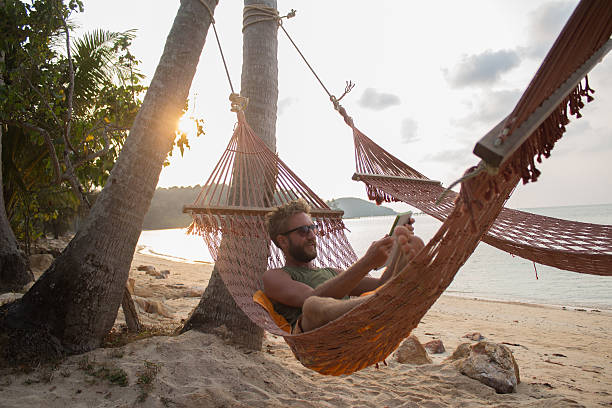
x,y
187,125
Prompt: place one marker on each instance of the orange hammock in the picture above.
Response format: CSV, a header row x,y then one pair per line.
x,y
229,214
569,245
249,179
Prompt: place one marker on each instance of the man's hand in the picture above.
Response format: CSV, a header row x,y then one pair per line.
x,y
378,252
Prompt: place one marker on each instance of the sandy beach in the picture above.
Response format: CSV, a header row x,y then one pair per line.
x,y
564,356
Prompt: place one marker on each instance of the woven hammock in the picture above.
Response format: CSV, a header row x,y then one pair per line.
x,y
229,213
569,245
231,221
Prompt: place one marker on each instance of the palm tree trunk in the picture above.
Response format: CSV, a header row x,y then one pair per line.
x,y
14,272
74,304
260,75
260,85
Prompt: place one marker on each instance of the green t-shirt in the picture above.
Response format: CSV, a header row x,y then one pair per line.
x,y
311,277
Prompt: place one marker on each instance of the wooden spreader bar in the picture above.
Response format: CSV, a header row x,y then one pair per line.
x,y
229,210
495,152
358,177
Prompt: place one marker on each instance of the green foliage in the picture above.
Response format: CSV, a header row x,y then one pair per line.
x,y
148,373
145,379
108,372
44,114
64,111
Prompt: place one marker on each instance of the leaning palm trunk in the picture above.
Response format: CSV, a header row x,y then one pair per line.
x,y
260,85
14,273
74,304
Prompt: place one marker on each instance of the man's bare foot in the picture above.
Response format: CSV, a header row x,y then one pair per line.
x,y
407,246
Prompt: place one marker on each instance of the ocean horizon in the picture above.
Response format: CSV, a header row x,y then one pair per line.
x,y
489,273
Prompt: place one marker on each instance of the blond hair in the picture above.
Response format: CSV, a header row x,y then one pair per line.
x,y
276,219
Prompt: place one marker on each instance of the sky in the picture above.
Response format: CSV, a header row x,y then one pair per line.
x,y
431,79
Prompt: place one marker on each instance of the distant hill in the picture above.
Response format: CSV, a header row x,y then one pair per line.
x,y
356,207
166,210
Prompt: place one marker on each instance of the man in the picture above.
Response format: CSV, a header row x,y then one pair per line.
x,y
310,297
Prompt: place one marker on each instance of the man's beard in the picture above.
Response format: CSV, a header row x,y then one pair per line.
x,y
300,253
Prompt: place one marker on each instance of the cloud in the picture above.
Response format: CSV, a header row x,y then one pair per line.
x,y
408,130
482,69
372,99
456,157
491,107
496,105
585,139
544,25
602,76
284,104
451,163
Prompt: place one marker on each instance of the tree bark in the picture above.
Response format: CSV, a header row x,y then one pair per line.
x,y
260,85
129,311
74,304
260,75
14,271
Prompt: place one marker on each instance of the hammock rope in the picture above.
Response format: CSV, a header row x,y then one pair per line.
x,y
568,245
262,13
250,178
229,214
212,20
266,13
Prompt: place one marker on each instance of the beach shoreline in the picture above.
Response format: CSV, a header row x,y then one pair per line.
x,y
144,251
533,304
564,357
565,347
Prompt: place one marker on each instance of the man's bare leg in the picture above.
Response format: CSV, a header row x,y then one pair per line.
x,y
318,311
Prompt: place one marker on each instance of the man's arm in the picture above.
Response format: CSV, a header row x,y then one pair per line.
x,y
408,246
368,283
279,286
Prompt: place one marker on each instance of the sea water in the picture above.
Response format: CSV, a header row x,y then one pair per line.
x,y
488,274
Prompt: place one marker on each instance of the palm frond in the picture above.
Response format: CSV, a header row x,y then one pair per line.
x,y
97,60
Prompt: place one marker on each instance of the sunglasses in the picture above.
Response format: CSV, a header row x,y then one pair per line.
x,y
303,230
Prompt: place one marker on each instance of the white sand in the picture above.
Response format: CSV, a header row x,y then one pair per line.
x,y
565,359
